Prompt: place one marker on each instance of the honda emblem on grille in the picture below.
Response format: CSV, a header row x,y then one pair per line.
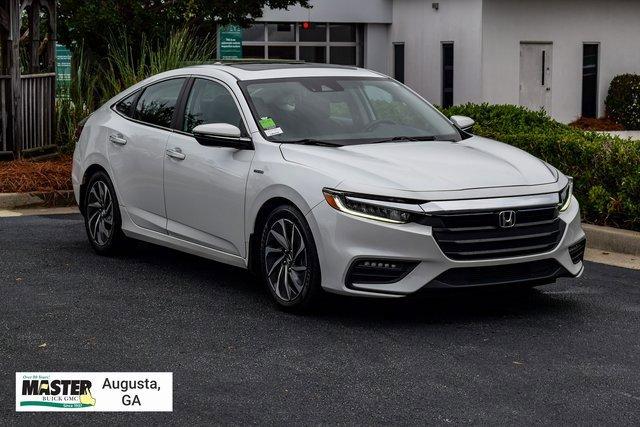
x,y
507,219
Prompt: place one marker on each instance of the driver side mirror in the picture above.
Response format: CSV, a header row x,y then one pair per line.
x,y
221,135
463,122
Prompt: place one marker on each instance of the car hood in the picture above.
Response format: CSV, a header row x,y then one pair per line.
x,y
426,166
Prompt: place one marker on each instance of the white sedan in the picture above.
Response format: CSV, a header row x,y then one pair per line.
x,y
318,178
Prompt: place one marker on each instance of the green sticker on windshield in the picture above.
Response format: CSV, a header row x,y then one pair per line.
x,y
267,123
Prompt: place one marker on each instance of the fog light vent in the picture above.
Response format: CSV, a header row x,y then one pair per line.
x,y
577,251
379,271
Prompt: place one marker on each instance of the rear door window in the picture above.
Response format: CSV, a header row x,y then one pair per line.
x,y
158,103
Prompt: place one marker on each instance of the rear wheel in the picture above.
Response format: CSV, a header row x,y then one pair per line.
x,y
102,215
289,260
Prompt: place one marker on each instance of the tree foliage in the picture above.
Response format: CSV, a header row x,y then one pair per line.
x,y
93,22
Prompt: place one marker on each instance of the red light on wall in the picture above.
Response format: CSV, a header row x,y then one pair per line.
x,y
306,25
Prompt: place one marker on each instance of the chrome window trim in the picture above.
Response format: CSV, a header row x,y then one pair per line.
x,y
141,89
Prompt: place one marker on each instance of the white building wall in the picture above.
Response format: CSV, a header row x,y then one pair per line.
x,y
615,24
423,29
376,47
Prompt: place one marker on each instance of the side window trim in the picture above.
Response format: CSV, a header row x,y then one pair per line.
x,y
182,105
139,93
132,108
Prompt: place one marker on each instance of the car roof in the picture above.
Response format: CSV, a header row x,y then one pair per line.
x,y
247,70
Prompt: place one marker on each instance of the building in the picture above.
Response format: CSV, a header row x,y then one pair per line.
x,y
559,55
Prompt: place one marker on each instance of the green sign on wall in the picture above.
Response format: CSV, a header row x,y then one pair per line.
x,y
230,45
63,70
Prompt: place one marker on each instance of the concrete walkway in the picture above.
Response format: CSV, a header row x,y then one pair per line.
x,y
625,134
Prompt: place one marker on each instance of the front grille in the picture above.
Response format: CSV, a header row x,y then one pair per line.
x,y
478,235
577,251
535,272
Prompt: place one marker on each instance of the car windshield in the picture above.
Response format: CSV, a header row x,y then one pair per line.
x,y
343,111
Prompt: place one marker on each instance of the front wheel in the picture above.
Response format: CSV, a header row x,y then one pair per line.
x,y
289,260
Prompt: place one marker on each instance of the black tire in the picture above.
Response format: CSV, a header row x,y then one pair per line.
x,y
288,293
102,219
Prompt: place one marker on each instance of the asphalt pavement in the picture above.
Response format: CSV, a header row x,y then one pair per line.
x,y
566,353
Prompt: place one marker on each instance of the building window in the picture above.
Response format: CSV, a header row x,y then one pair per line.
x,y
281,32
319,42
342,33
398,62
313,54
253,52
590,80
281,52
254,33
343,55
447,74
312,32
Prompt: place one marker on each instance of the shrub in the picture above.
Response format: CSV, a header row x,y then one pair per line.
x,y
606,169
93,82
623,101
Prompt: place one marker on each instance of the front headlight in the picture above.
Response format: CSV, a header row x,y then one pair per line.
x,y
378,208
565,195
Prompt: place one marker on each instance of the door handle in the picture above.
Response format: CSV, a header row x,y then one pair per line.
x,y
176,153
117,139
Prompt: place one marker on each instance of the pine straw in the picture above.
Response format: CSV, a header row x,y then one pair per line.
x,y
26,176
602,124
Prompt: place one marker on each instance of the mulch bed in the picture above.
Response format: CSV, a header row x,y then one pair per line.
x,y
26,176
596,125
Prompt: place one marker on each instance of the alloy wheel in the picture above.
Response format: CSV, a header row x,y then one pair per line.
x,y
100,213
285,259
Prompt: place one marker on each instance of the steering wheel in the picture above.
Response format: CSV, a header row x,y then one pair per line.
x,y
374,124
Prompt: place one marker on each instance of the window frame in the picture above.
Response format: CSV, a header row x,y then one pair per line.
x,y
597,77
326,45
139,93
181,103
181,106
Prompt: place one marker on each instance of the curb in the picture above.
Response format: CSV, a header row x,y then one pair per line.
x,y
37,199
612,239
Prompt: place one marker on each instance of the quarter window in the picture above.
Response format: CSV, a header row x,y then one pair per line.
x,y
210,102
125,105
158,102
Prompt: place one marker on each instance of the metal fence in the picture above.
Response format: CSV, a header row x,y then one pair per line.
x,y
4,108
37,107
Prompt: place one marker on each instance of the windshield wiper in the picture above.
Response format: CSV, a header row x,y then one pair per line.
x,y
310,141
405,138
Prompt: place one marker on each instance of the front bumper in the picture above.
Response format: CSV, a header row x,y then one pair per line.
x,y
342,239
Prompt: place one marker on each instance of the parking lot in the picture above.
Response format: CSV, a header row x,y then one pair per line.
x,y
567,353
